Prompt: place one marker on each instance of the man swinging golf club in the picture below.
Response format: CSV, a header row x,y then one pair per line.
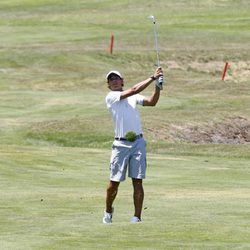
x,y
129,146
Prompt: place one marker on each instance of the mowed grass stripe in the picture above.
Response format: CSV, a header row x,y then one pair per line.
x,y
56,200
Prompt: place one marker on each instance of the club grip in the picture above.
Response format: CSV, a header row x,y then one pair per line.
x,y
159,82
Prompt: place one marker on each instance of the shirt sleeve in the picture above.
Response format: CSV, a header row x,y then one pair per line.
x,y
139,99
112,97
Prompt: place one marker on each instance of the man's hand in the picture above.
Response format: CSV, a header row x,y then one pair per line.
x,y
158,75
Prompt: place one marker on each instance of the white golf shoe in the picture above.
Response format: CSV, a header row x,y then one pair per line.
x,y
107,217
135,219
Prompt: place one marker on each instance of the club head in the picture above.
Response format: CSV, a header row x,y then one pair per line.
x,y
151,18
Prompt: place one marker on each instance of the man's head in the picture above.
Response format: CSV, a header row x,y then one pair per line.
x,y
115,80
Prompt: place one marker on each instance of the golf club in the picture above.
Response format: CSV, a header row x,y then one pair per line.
x,y
159,81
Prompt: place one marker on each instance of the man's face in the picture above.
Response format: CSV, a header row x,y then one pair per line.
x,y
115,83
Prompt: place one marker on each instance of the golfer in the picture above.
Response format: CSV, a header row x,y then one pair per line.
x,y
129,146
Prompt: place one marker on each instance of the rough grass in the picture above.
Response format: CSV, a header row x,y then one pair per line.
x,y
56,132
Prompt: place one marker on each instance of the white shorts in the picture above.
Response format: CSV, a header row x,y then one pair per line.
x,y
128,155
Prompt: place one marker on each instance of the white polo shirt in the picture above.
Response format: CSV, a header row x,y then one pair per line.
x,y
124,113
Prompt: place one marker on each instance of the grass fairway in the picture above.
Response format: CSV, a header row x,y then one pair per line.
x,y
56,134
192,202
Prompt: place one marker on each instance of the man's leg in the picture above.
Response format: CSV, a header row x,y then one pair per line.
x,y
138,196
112,190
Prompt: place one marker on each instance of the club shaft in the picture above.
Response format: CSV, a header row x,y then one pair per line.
x,y
160,80
156,45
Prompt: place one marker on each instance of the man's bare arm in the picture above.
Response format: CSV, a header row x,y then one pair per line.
x,y
137,88
153,99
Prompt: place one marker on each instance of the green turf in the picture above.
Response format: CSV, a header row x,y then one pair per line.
x,y
56,134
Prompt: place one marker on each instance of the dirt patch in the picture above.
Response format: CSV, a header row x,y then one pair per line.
x,y
234,130
237,71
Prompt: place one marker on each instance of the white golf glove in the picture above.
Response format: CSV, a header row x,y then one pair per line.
x,y
159,82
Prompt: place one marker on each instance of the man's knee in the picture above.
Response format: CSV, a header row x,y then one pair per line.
x,y
113,186
137,183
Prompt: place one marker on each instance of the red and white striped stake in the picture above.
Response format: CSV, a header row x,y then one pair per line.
x,y
111,44
224,71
